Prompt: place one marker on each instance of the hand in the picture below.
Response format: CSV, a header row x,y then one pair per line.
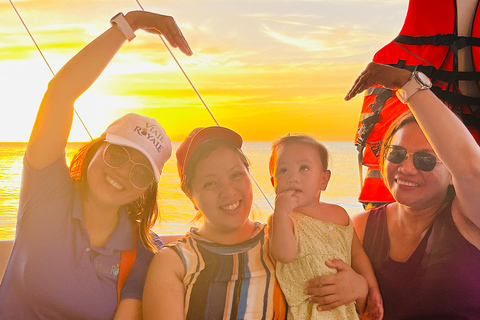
x,y
374,305
338,289
285,202
378,74
161,25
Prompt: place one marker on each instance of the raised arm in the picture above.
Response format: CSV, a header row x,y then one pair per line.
x,y
54,119
163,296
448,136
283,246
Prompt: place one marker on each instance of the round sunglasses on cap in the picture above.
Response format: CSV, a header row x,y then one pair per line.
x,y
423,161
140,175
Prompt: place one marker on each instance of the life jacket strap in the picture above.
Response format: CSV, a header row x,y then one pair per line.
x,y
439,75
374,174
375,90
449,40
383,94
454,98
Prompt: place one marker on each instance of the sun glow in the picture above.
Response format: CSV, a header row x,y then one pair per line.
x,y
262,70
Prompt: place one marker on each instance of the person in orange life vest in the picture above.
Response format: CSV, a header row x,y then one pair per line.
x,y
425,246
74,228
441,39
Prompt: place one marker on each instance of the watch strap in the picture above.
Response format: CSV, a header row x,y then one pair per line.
x,y
412,86
122,25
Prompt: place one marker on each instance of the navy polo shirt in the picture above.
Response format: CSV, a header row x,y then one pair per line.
x,y
53,272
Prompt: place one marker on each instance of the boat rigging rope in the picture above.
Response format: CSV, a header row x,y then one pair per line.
x,y
48,65
176,61
206,107
184,73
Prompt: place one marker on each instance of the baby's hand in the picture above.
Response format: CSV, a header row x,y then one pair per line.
x,y
286,202
374,305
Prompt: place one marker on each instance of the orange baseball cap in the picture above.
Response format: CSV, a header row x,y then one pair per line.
x,y
199,136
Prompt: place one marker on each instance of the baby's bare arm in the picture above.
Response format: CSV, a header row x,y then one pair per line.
x,y
283,246
361,264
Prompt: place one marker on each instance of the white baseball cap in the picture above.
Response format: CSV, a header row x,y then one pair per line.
x,y
144,134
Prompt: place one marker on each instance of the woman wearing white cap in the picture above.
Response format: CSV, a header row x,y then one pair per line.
x,y
83,241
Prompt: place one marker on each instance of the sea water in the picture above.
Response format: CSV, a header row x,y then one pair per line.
x,y
175,208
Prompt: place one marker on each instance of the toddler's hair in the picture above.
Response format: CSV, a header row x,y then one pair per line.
x,y
298,138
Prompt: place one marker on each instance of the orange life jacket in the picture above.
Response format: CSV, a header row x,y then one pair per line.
x,y
127,259
428,42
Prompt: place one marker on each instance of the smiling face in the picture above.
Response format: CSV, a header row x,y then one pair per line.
x,y
111,186
221,189
412,187
298,167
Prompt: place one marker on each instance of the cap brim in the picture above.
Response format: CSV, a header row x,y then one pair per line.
x,y
113,138
212,133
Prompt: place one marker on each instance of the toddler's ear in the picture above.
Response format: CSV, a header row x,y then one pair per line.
x,y
325,179
271,180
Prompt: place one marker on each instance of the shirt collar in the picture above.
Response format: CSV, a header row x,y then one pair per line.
x,y
122,236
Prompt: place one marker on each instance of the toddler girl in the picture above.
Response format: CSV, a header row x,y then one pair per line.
x,y
306,233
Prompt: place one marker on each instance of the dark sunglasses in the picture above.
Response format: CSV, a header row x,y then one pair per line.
x,y
421,160
140,175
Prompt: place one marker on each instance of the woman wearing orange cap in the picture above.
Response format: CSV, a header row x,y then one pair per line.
x,y
221,270
80,232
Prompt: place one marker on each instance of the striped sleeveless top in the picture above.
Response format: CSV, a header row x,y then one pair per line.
x,y
229,281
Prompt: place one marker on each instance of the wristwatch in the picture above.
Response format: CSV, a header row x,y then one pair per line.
x,y
122,25
418,81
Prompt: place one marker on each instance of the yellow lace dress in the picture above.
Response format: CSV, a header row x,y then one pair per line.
x,y
317,242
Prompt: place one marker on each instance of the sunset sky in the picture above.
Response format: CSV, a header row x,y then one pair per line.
x,y
264,67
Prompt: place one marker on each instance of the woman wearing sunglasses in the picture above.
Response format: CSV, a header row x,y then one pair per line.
x,y
83,241
425,247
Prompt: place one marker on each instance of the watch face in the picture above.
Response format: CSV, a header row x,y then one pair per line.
x,y
425,81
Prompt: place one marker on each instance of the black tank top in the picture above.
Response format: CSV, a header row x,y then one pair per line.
x,y
441,279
